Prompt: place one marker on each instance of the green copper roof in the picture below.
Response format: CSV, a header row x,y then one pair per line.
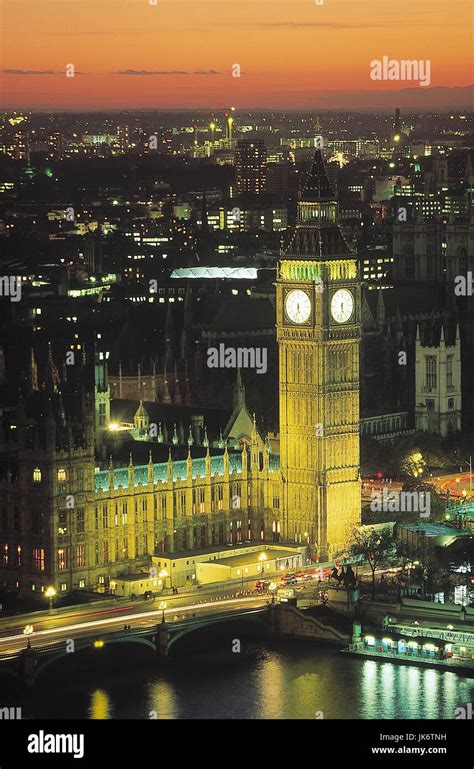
x,y
160,471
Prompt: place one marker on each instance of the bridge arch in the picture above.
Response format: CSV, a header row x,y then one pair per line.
x,y
48,661
260,620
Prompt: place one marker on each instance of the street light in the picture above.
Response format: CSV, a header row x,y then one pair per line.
x,y
28,630
262,558
50,592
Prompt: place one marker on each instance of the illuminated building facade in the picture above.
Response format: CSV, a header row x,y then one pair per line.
x,y
66,523
250,166
318,332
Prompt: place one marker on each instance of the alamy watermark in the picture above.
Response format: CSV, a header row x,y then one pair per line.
x,y
42,742
464,284
387,501
10,285
403,69
10,714
464,712
238,357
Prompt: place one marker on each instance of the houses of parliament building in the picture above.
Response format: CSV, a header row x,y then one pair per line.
x,y
67,523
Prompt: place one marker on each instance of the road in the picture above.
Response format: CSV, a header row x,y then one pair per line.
x,y
455,482
55,629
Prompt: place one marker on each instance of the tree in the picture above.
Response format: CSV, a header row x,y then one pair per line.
x,y
374,545
431,574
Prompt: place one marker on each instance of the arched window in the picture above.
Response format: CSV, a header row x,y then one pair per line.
x,y
37,475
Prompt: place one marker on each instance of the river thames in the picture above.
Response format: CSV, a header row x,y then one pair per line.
x,y
285,681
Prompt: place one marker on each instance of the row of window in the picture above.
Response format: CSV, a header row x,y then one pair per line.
x,y
11,556
63,586
160,505
62,477
431,374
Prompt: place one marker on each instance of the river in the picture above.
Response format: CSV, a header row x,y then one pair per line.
x,y
295,680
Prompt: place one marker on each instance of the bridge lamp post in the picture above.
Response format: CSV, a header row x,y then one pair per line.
x,y
50,592
27,631
262,558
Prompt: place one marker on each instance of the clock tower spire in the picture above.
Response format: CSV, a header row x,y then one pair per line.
x,y
318,332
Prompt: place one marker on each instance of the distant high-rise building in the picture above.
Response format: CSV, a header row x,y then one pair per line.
x,y
250,166
21,145
123,139
93,252
56,144
278,178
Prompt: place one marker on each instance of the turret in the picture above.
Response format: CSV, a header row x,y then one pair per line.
x,y
111,474
178,398
189,465
150,469
239,392
254,453
166,391
226,461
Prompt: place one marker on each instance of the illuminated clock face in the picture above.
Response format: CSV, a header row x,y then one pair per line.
x,y
342,305
298,306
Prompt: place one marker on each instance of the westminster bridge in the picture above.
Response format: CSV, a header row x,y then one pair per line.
x,y
88,651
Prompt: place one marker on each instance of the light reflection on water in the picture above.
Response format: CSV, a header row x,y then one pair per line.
x,y
293,681
297,683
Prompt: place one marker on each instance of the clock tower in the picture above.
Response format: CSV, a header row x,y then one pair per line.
x,y
318,332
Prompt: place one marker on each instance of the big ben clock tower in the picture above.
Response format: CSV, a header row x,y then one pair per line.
x,y
318,332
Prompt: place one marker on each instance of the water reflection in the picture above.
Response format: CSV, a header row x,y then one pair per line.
x,y
100,706
162,700
275,696
296,680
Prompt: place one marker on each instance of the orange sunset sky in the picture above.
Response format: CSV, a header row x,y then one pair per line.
x,y
180,53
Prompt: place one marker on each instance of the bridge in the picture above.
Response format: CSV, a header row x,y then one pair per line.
x,y
29,663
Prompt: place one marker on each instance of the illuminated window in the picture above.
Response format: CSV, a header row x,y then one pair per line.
x,y
430,364
62,523
61,475
38,559
37,475
62,559
80,556
80,521
449,371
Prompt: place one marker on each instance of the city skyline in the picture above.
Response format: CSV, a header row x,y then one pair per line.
x,y
236,380
124,54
